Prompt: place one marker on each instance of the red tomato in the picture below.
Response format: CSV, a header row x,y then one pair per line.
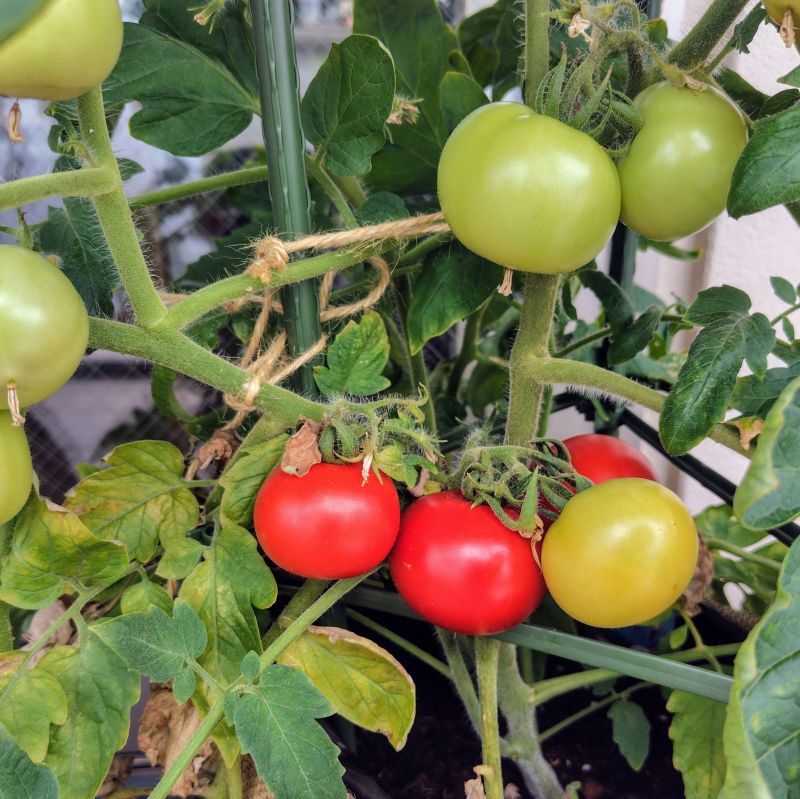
x,y
601,458
327,525
461,568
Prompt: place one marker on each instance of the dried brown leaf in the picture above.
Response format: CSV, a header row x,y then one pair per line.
x,y
749,427
302,449
121,767
701,579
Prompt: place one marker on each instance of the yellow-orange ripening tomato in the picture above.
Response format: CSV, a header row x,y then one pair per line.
x,y
66,49
620,553
16,471
526,191
676,176
44,327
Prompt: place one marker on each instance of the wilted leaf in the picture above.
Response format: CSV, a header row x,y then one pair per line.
x,y
242,480
347,103
362,681
302,449
356,359
275,723
697,752
52,550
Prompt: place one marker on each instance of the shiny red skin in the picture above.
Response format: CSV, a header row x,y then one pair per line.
x,y
460,568
601,458
327,525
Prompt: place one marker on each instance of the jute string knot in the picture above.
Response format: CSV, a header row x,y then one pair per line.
x,y
271,256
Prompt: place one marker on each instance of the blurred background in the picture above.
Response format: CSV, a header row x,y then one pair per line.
x,y
109,400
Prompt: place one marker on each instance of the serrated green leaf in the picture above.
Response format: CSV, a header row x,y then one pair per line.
x,y
453,284
241,482
250,665
783,289
140,499
421,46
361,680
29,706
19,777
754,397
744,32
51,550
700,396
184,685
631,731
347,103
275,723
697,752
382,206
459,95
762,728
141,597
769,494
191,104
223,590
154,643
100,692
768,171
615,302
719,522
356,359
633,339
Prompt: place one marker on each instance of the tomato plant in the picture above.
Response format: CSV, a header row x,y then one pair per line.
x,y
329,524
379,344
620,553
777,10
527,191
676,177
600,458
15,468
65,50
44,327
462,569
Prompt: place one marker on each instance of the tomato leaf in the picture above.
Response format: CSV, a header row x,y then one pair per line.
x,y
719,522
100,692
631,731
633,339
754,397
361,680
421,45
356,359
700,396
141,499
222,590
769,494
347,103
155,643
52,549
191,104
762,728
242,480
615,302
453,284
141,597
792,78
768,171
275,724
33,702
459,95
783,289
19,777
696,733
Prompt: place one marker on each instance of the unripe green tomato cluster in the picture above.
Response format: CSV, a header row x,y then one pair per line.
x,y
44,330
67,48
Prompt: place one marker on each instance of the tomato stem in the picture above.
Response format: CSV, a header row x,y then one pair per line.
x,y
697,45
87,182
487,652
6,633
308,593
461,676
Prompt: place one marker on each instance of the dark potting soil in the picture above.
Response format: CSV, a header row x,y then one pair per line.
x,y
442,747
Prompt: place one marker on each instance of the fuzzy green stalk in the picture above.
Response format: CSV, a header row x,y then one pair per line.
x,y
114,215
697,45
487,651
308,593
461,676
6,634
88,182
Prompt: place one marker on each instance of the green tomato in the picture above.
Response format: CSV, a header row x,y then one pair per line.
x,y
676,176
620,552
44,327
527,191
777,10
66,49
16,470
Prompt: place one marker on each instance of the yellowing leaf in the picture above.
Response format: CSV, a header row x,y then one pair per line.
x,y
362,681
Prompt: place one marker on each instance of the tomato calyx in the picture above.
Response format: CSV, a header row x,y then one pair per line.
x,y
526,487
387,438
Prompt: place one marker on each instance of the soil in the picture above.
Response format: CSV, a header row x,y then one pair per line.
x,y
442,747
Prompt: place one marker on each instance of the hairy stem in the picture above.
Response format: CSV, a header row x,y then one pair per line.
x,y
308,593
744,554
461,676
487,651
697,45
114,215
87,182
